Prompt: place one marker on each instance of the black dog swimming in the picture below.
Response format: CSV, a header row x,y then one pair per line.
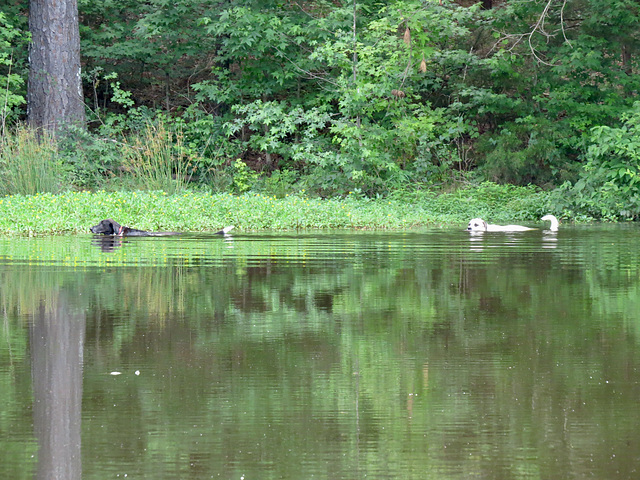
x,y
111,227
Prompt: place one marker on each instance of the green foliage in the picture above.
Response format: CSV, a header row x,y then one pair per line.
x,y
281,183
261,50
276,128
490,201
363,97
151,46
12,93
372,129
519,154
609,184
206,138
119,96
243,177
386,133
89,160
571,74
202,137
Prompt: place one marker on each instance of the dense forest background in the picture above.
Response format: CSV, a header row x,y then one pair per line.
x,y
369,97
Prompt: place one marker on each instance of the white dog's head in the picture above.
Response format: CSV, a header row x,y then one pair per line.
x,y
477,225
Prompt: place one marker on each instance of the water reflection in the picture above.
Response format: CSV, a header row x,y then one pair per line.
x,y
110,243
56,334
549,239
107,243
434,354
479,240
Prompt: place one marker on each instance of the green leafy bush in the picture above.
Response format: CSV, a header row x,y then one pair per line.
x,y
609,183
89,160
243,177
519,154
281,183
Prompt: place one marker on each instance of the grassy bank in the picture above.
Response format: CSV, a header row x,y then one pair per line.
x,y
74,212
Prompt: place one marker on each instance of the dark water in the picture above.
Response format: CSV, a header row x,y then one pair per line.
x,y
418,355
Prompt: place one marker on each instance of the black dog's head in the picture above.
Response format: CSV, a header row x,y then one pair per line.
x,y
107,227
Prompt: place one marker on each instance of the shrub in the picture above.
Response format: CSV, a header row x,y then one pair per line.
x,y
520,154
88,159
243,177
609,183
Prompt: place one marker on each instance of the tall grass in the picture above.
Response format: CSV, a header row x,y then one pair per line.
x,y
29,163
157,160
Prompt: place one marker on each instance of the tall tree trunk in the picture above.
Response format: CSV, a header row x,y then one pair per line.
x,y
54,95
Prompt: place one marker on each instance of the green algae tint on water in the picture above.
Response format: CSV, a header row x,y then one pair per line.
x,y
430,354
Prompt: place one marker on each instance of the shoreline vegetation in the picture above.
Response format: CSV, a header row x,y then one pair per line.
x,y
51,189
398,115
194,211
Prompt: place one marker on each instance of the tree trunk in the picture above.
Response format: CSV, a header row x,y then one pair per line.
x,y
626,59
54,94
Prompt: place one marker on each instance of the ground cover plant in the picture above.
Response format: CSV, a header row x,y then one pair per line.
x,y
188,211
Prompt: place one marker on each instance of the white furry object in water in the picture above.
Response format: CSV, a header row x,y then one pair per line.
x,y
479,225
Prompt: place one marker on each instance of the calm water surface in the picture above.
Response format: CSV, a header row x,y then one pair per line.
x,y
430,354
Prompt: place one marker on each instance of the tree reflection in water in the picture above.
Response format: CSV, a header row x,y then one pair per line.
x,y
57,340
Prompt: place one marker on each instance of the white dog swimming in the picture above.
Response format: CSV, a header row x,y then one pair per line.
x,y
479,225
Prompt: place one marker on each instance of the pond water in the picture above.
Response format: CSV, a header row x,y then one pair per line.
x,y
431,354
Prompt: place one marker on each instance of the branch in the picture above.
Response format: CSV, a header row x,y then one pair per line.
x,y
538,27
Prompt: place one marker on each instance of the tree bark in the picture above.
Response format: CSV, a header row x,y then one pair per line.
x,y
54,94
